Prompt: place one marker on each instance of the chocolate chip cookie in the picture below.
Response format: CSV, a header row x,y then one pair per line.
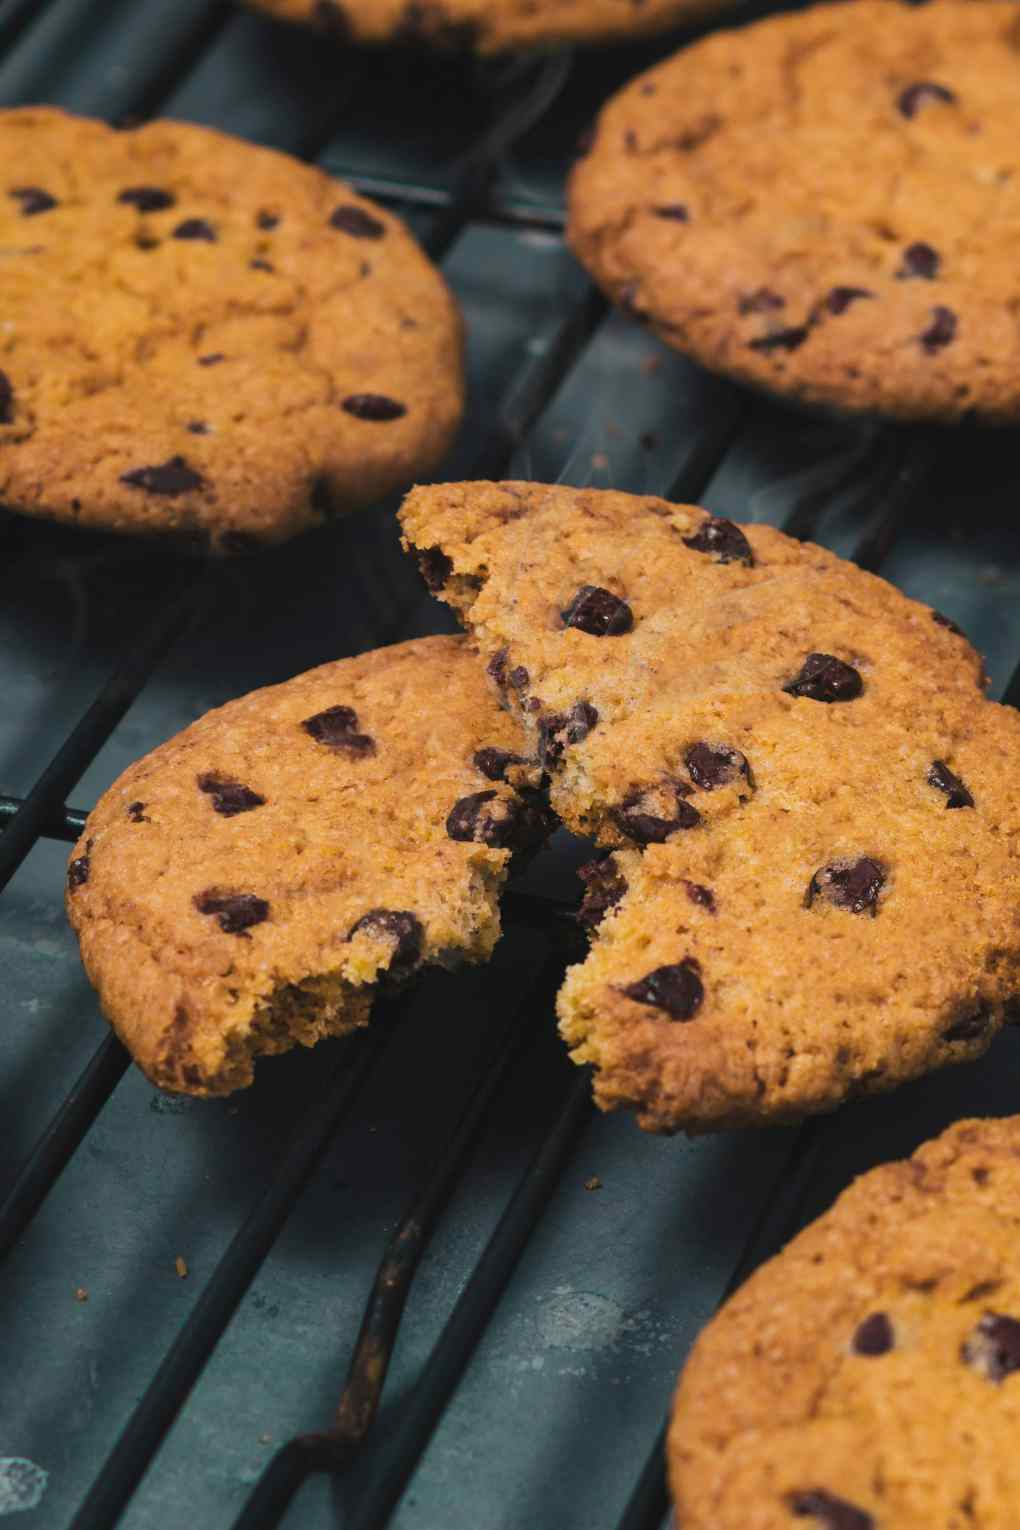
x,y
205,337
866,1378
252,882
825,204
485,25
786,757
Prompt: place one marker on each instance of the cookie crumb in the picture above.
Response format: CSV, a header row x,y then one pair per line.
x,y
265,1439
81,1294
594,1183
180,1265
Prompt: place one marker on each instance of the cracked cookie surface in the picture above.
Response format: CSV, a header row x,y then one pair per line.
x,y
249,884
490,26
787,759
208,338
825,204
866,1378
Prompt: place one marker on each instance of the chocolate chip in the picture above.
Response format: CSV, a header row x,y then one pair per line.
x,y
195,228
834,1513
485,818
213,359
677,989
267,220
704,897
496,667
494,763
942,778
136,812
919,260
840,298
373,406
850,884
171,478
604,886
914,97
873,1336
645,827
356,222
969,1027
235,912
261,265
402,928
713,765
993,1349
673,210
229,797
764,300
941,331
33,199
598,612
337,729
789,339
147,198
722,540
519,678
946,621
557,730
6,400
78,870
825,678
435,567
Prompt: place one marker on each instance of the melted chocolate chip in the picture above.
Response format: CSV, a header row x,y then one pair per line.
x,y
136,812
598,612
915,96
402,928
435,567
235,912
840,298
496,668
356,222
825,678
147,198
195,228
33,199
373,406
337,728
873,1336
676,211
261,265
493,763
789,339
853,885
212,360
267,220
677,989
169,478
198,427
557,730
604,886
6,400
713,765
942,778
78,871
993,1349
947,622
648,828
229,797
722,540
941,331
969,1027
519,678
485,818
764,300
919,260
832,1512
704,897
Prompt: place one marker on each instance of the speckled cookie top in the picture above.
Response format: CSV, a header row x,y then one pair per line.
x,y
248,883
205,337
825,203
490,26
789,756
867,1378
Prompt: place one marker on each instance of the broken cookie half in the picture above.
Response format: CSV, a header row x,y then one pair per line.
x,y
252,883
